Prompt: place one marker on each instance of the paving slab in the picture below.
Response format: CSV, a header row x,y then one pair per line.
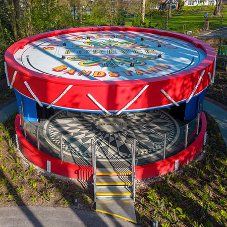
x,y
219,115
7,111
57,217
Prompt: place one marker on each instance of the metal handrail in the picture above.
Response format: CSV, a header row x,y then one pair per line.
x,y
93,153
133,169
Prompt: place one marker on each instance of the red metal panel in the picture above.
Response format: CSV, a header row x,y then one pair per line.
x,y
113,95
85,172
40,159
184,157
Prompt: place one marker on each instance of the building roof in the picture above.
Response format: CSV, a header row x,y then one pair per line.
x,y
173,1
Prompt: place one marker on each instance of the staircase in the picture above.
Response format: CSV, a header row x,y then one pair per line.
x,y
114,187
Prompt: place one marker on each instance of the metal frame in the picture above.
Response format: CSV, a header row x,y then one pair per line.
x,y
197,85
198,122
164,148
14,77
61,147
7,76
133,169
60,96
94,166
37,137
33,94
98,104
133,100
169,98
186,136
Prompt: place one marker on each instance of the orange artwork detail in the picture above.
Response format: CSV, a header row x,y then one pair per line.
x,y
141,72
60,68
48,48
99,74
114,74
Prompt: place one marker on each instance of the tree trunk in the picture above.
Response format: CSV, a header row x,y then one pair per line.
x,y
170,9
217,11
17,9
143,10
80,12
9,4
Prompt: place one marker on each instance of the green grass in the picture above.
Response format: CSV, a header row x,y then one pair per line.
x,y
190,21
196,197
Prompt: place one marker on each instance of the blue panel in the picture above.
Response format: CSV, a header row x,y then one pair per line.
x,y
191,108
29,105
19,99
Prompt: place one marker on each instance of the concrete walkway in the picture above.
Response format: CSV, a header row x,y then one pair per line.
x,y
57,217
219,115
213,34
7,111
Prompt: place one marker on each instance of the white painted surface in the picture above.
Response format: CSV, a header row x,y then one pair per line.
x,y
117,53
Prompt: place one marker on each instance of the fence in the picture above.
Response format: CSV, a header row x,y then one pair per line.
x,y
63,145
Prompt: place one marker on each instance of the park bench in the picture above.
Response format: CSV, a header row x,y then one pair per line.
x,y
222,55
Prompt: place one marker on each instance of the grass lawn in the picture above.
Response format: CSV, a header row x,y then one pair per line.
x,y
186,21
196,197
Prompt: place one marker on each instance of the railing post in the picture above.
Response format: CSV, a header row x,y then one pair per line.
x,y
24,128
20,116
37,136
186,136
198,122
133,169
61,147
164,148
17,142
94,166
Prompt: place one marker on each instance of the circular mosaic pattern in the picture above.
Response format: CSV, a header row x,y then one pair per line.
x,y
113,135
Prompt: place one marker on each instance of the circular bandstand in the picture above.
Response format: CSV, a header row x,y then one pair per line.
x,y
112,89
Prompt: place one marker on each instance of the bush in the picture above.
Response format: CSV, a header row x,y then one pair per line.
x,y
136,20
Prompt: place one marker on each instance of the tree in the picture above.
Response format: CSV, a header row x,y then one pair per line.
x,y
143,10
217,10
14,16
170,9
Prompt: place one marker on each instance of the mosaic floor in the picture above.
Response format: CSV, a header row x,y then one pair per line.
x,y
113,135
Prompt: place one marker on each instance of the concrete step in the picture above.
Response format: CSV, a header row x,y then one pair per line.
x,y
113,180
114,191
113,164
119,208
113,172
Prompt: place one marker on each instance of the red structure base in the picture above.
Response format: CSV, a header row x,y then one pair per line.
x,y
70,170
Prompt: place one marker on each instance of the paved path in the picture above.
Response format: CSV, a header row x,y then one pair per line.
x,y
7,111
57,217
214,33
219,115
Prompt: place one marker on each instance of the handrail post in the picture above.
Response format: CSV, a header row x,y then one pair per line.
x,y
24,128
198,122
186,136
94,166
61,147
37,137
21,116
164,148
133,169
